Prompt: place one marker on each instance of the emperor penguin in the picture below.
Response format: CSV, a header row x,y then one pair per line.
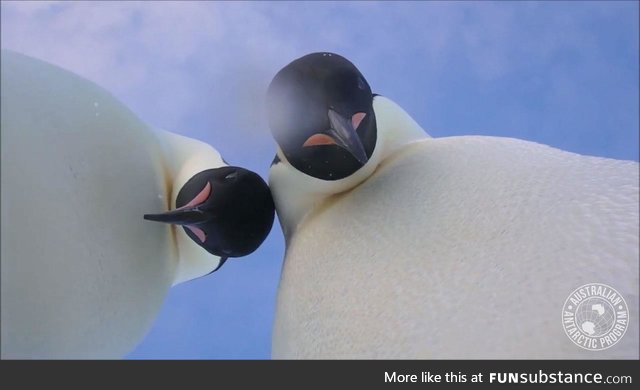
x,y
84,267
403,246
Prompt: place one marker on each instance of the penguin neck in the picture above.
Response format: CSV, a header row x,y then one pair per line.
x,y
396,127
297,194
184,157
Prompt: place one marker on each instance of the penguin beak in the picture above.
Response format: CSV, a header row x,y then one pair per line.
x,y
345,136
182,216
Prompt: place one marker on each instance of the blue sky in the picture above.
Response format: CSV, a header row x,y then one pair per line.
x,y
559,73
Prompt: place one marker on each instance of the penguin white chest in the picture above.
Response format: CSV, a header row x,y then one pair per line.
x,y
463,247
78,172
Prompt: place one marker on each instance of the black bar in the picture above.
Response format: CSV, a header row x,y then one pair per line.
x,y
362,374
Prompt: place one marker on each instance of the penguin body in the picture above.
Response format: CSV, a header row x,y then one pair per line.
x,y
458,247
83,274
461,248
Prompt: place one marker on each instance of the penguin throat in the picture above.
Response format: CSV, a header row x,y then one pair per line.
x,y
202,196
297,195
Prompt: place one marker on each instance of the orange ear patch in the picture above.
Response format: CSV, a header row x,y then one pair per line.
x,y
198,232
200,198
319,139
357,118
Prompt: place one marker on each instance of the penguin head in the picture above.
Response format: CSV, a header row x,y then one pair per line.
x,y
320,111
228,211
332,133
